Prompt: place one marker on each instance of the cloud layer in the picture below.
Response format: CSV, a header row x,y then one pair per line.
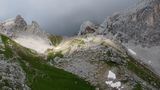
x,y
62,16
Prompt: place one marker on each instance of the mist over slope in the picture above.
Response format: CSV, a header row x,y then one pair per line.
x,y
30,36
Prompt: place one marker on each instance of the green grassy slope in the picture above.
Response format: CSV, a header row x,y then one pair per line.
x,y
40,75
55,40
143,72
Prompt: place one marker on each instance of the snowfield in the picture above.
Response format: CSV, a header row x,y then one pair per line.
x,y
114,85
34,42
111,75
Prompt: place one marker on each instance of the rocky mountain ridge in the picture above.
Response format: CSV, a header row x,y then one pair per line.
x,y
14,27
139,24
30,36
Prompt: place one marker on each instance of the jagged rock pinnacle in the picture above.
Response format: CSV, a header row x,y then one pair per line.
x,y
35,24
87,27
20,23
16,26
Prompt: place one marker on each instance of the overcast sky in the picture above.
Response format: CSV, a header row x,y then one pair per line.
x,y
62,17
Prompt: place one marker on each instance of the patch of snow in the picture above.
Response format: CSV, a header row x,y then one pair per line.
x,y
114,85
117,85
109,82
132,52
111,75
34,42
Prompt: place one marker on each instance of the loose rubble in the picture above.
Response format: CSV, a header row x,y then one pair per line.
x,y
12,77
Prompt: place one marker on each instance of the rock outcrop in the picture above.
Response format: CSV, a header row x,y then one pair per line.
x,y
12,77
20,23
139,24
87,27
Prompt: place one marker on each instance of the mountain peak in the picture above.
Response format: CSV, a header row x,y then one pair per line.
x,y
17,25
35,24
20,23
87,27
18,17
34,28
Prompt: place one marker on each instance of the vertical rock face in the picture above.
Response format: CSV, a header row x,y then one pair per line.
x,y
140,24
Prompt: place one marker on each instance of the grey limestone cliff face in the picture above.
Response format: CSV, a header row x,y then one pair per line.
x,y
139,24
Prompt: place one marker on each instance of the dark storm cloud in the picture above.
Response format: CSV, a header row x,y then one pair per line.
x,y
62,16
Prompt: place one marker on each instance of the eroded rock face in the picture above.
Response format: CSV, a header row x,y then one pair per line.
x,y
140,24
